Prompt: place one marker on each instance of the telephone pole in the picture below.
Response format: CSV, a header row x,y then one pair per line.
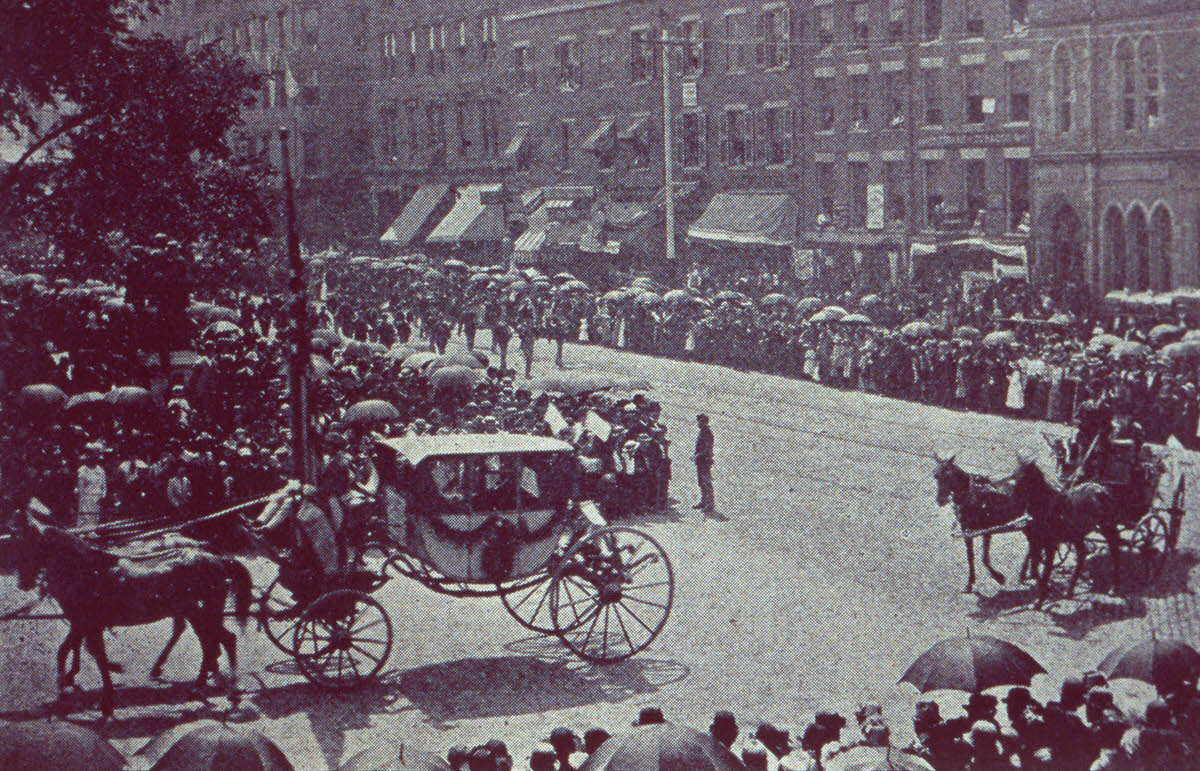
x,y
668,160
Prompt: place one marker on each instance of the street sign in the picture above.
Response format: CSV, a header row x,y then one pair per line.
x,y
689,93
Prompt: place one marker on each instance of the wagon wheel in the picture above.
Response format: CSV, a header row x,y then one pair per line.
x,y
528,601
1150,541
612,594
278,614
343,639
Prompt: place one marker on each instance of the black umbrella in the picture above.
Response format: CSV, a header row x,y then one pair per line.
x,y
130,397
57,746
662,747
371,411
88,400
42,396
402,758
1162,663
971,664
455,376
217,747
457,359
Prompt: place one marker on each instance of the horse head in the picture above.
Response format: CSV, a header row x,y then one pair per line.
x,y
945,476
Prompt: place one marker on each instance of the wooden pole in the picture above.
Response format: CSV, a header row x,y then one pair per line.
x,y
302,351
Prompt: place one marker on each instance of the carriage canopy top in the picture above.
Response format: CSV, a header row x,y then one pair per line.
x,y
414,449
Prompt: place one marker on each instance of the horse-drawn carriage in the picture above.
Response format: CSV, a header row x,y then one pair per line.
x,y
466,515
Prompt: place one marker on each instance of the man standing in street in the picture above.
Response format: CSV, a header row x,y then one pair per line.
x,y
704,464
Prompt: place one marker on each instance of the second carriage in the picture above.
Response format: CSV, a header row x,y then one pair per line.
x,y
465,515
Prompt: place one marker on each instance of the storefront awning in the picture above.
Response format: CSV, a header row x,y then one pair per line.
x,y
598,136
634,128
415,213
767,219
471,221
517,143
833,237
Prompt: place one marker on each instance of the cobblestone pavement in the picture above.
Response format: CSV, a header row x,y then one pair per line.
x,y
829,570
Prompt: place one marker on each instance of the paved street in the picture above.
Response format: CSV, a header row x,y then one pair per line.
x,y
828,572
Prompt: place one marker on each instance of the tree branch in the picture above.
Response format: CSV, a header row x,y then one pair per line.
x,y
68,125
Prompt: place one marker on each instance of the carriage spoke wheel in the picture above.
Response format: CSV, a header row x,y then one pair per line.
x,y
279,613
1149,542
529,603
612,594
343,639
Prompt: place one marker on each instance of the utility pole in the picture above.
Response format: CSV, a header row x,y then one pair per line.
x,y
302,354
668,160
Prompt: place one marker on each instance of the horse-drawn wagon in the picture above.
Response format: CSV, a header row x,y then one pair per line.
x,y
465,515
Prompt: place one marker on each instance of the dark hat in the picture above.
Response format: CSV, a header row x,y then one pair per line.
x,y
1019,695
1158,714
830,720
650,716
593,738
564,739
702,418
981,701
927,711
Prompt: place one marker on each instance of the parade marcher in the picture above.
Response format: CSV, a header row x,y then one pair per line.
x,y
704,463
501,334
91,487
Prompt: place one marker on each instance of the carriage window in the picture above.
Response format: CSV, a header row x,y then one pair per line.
x,y
450,477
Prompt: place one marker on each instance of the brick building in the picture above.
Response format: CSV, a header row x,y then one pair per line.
x,y
1116,153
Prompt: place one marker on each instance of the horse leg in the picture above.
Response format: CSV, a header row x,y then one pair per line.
x,y
997,576
1114,548
229,641
970,543
69,645
1047,564
95,644
176,633
1080,546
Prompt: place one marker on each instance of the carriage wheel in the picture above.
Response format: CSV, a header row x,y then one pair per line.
x,y
612,594
343,639
278,614
529,602
1150,542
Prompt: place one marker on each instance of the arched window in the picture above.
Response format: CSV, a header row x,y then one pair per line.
x,y
1125,96
1138,275
1114,248
1152,85
1063,93
1160,248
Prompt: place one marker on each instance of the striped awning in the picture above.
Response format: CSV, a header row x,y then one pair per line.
x,y
415,213
471,220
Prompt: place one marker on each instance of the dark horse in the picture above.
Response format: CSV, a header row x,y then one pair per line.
x,y
979,504
98,590
1067,516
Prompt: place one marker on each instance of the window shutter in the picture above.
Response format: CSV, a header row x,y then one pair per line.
x,y
704,129
754,135
786,45
723,138
760,38
705,47
677,137
789,137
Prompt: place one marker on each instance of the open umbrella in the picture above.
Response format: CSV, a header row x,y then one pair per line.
x,y
649,298
402,758
870,301
88,400
583,383
662,747
678,296
1129,349
648,284
1165,333
967,333
825,316
1061,319
130,397
866,758
328,335
453,264
361,349
858,319
614,295
371,411
57,746
455,376
319,367
551,383
1000,337
222,329
457,359
420,359
633,384
116,306
400,352
1188,349
809,306
1162,663
729,296
217,747
1104,341
575,285
41,396
971,664
564,276
776,298
917,329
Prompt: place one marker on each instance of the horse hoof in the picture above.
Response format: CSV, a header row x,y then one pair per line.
x,y
115,667
1000,580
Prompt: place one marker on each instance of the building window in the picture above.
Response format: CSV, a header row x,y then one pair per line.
x,y
1064,89
310,94
462,50
489,129
641,59
1018,14
310,22
436,59
975,185
973,18
1126,85
828,190
435,127
735,137
735,41
775,29
1151,80
933,96
826,112
564,145
387,130
282,23
895,96
776,135
487,38
1018,192
894,191
860,24
857,173
933,20
460,129
1018,91
523,68
391,52
860,111
691,53
605,58
1160,249
413,128
896,11
311,147
691,139
825,16
413,36
568,65
934,200
973,93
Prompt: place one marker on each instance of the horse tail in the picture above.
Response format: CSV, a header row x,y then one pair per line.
x,y
239,576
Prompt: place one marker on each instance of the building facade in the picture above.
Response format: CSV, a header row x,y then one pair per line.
x,y
1117,153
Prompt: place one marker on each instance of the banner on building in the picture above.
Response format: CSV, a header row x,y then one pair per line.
x,y
875,207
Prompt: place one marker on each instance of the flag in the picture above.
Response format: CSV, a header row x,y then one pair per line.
x,y
529,482
290,86
555,419
597,425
